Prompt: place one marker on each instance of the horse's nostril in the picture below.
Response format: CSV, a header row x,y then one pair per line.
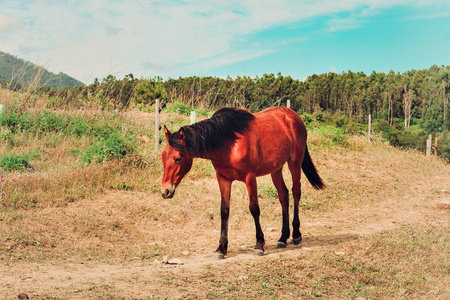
x,y
167,192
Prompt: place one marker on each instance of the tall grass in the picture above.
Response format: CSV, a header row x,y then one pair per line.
x,y
67,155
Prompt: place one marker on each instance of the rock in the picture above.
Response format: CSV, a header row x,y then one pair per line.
x,y
444,205
157,262
23,296
175,261
157,244
185,253
339,253
165,259
243,278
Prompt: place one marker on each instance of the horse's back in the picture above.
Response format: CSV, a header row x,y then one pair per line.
x,y
276,135
283,123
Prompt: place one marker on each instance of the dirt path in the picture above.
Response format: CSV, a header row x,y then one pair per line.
x,y
140,278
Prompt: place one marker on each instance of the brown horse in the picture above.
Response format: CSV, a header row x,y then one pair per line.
x,y
243,146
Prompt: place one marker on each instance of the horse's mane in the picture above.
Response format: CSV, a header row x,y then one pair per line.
x,y
211,134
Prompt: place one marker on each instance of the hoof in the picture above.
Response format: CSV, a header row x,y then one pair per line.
x,y
281,245
219,256
296,241
258,252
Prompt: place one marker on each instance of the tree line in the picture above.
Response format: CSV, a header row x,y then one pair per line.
x,y
413,97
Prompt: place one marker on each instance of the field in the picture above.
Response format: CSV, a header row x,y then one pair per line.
x,y
76,227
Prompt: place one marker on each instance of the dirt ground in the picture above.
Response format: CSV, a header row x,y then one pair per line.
x,y
420,201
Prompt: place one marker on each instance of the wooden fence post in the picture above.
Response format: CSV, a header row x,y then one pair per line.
x,y
435,146
369,133
428,152
157,126
288,104
193,116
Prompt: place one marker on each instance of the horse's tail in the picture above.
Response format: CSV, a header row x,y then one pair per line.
x,y
311,173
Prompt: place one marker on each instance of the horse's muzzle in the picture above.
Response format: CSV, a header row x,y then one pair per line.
x,y
168,192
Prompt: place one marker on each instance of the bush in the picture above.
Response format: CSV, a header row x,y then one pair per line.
x,y
307,118
343,120
111,147
15,162
332,136
179,107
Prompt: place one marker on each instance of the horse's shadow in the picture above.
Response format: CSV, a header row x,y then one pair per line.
x,y
308,242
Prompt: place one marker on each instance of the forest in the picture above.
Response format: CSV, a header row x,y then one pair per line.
x,y
405,107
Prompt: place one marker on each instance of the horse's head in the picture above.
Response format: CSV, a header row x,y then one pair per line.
x,y
176,165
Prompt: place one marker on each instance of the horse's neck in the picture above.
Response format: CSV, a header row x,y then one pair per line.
x,y
221,155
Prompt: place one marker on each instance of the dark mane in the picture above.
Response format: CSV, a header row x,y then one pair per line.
x,y
212,133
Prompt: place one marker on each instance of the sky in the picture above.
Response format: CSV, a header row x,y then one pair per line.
x,y
90,39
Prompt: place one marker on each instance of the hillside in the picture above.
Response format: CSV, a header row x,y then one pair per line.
x,y
22,73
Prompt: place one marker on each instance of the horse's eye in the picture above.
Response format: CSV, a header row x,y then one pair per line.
x,y
178,159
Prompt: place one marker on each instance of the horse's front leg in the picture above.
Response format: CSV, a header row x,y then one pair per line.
x,y
225,191
252,188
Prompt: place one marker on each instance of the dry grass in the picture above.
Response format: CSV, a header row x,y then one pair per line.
x,y
95,230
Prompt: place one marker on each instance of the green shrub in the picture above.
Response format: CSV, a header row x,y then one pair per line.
x,y
111,147
307,118
16,162
343,120
179,107
332,136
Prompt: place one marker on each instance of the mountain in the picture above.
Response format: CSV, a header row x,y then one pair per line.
x,y
22,73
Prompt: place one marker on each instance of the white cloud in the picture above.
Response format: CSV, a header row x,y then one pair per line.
x,y
8,24
88,39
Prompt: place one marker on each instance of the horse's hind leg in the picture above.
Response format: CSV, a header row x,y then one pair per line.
x,y
295,168
283,196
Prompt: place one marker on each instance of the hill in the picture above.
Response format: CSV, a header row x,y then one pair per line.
x,y
22,73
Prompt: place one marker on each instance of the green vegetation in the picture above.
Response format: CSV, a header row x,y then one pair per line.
x,y
18,73
16,162
108,148
405,107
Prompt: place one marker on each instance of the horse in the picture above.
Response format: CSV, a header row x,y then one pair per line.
x,y
243,146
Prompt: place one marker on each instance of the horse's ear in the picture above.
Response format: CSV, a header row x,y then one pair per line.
x,y
182,136
167,133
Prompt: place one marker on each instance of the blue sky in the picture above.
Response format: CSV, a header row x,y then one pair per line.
x,y
91,39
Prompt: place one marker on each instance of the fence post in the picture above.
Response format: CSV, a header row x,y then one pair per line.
x,y
435,146
193,116
369,133
288,104
157,126
428,152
